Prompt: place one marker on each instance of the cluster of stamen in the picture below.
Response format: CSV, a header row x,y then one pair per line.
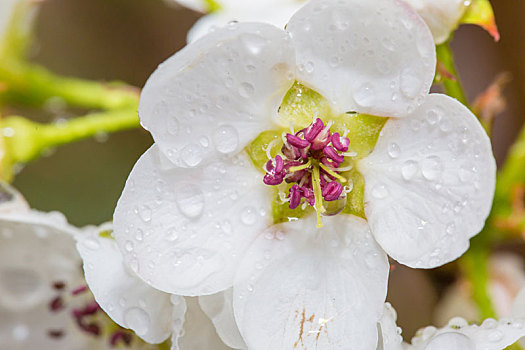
x,y
311,160
88,316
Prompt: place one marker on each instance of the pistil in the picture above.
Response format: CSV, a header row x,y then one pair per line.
x,y
310,160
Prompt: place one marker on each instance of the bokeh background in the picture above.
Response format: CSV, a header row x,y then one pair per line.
x,y
126,39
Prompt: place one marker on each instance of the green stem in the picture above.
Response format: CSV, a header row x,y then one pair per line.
x,y
35,85
25,140
452,87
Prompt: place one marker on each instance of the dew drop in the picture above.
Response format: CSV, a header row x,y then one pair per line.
x,y
409,169
410,83
248,216
190,200
172,235
145,213
372,260
91,243
431,167
191,155
433,116
379,192
139,236
450,340
226,139
394,150
128,246
309,67
495,336
172,126
364,95
246,90
138,320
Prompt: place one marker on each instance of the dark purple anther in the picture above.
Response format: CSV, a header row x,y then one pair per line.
x,y
331,153
120,336
340,143
279,164
332,191
56,304
79,290
295,196
296,141
311,132
59,285
308,194
55,333
322,139
275,174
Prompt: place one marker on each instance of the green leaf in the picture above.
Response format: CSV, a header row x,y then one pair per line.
x,y
480,12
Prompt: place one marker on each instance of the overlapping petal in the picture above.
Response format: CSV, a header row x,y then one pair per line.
x,y
442,17
298,287
458,335
215,96
199,331
429,183
219,308
389,333
37,250
184,230
276,12
123,295
381,64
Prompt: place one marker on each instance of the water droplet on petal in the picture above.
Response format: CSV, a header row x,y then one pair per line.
x,y
226,139
191,155
248,216
134,265
409,169
190,200
364,95
450,340
394,150
410,83
91,243
431,167
246,90
138,320
379,192
145,213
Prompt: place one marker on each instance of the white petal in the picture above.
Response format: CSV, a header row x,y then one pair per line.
x,y
37,250
307,288
183,230
199,333
11,201
442,16
429,183
195,5
276,12
219,308
375,57
216,95
458,335
127,299
389,333
518,308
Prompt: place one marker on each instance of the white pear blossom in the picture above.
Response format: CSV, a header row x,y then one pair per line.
x,y
457,335
39,267
197,217
153,315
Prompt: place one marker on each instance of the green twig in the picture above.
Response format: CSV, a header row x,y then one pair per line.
x,y
25,140
452,86
32,84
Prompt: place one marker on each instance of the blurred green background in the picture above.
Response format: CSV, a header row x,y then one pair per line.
x,y
126,39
